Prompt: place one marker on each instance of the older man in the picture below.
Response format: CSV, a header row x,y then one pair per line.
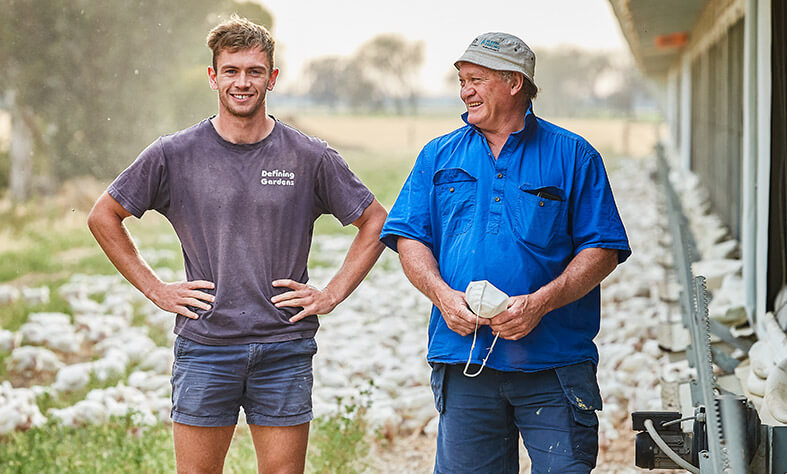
x,y
515,200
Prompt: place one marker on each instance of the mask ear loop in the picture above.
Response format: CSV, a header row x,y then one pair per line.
x,y
483,363
472,346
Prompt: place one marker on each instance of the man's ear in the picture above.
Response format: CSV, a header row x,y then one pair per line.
x,y
272,81
212,78
517,84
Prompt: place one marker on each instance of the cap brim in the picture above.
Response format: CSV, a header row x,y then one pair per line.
x,y
488,61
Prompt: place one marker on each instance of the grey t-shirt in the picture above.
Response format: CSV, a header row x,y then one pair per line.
x,y
244,215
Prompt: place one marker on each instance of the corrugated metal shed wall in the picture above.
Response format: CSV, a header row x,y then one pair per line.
x,y
717,123
777,235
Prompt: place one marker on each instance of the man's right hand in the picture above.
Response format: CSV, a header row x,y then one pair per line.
x,y
456,312
177,297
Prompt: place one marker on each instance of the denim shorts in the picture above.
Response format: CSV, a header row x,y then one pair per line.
x,y
482,418
271,381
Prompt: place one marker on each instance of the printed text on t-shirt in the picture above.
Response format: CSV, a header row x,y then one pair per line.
x,y
277,178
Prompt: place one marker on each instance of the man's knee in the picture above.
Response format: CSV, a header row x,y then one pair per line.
x,y
280,449
201,449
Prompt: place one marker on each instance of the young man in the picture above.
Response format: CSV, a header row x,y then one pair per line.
x,y
515,200
242,191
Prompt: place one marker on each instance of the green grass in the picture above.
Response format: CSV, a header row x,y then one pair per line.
x,y
383,175
118,446
3,357
241,458
337,444
49,245
14,314
16,218
43,251
15,264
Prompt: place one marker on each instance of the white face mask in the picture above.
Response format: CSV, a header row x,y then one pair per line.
x,y
485,301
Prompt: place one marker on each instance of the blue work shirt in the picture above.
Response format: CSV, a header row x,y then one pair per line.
x,y
516,221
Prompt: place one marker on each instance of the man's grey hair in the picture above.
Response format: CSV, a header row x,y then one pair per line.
x,y
528,88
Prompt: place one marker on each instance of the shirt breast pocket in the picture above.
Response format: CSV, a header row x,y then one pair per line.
x,y
538,213
455,196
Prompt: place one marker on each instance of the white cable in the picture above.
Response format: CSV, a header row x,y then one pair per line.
x,y
654,435
667,423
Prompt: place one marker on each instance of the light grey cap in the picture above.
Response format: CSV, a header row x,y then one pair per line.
x,y
501,52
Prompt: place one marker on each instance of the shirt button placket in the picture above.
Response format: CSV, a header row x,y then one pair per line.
x,y
496,208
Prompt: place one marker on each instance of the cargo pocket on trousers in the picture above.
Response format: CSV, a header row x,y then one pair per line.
x,y
580,387
437,382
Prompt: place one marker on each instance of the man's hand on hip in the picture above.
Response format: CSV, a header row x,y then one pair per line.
x,y
456,313
523,314
312,300
177,297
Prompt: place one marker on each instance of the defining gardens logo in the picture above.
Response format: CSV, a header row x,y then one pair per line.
x,y
277,178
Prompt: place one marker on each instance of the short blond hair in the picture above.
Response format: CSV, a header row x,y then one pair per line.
x,y
236,33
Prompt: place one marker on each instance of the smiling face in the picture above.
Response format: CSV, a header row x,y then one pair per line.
x,y
491,101
242,79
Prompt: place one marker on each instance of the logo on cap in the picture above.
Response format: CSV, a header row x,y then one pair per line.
x,y
490,44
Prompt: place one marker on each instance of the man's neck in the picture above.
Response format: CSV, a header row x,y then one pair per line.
x,y
498,136
243,130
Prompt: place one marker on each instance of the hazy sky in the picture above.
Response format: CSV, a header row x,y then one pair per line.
x,y
306,29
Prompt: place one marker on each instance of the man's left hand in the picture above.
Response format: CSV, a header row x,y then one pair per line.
x,y
312,300
523,314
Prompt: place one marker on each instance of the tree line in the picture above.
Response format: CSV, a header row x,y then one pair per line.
x,y
87,82
380,75
383,74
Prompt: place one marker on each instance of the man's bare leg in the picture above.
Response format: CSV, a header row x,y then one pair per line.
x,y
201,449
280,449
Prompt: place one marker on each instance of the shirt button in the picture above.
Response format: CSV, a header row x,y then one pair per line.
x,y
497,199
450,190
499,175
541,203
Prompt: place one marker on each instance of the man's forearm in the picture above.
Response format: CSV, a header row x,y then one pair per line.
x,y
107,227
585,271
362,255
421,268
